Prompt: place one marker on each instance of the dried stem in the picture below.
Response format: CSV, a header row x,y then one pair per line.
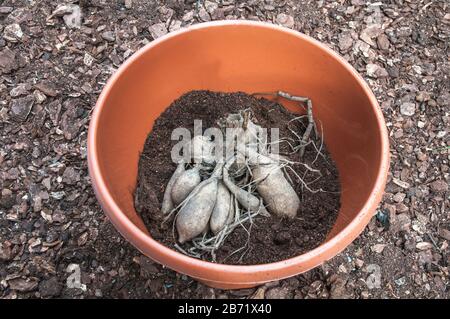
x,y
309,128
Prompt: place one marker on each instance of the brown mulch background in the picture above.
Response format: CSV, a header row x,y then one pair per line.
x,y
56,242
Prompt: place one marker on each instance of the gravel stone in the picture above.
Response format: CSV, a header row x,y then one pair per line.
x,y
408,109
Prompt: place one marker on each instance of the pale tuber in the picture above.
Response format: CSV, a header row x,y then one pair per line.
x,y
272,185
194,215
184,184
222,209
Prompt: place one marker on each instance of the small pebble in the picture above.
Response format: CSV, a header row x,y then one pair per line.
x,y
408,109
285,20
157,30
109,36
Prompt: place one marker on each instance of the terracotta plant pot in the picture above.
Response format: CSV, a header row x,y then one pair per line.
x,y
238,56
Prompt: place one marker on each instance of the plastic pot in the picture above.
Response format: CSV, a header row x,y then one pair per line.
x,y
238,56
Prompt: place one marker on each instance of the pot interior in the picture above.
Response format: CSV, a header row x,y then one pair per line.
x,y
232,58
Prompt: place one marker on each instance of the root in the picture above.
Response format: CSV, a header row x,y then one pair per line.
x,y
306,185
204,244
185,252
319,151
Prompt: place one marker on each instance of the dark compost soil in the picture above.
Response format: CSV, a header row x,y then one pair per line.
x,y
272,239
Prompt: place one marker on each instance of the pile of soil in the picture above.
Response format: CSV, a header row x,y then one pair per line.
x,y
272,239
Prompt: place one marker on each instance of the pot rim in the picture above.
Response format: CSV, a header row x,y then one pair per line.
x,y
141,240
